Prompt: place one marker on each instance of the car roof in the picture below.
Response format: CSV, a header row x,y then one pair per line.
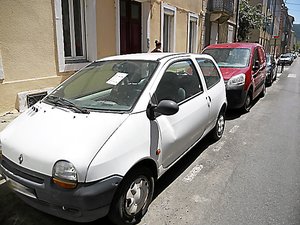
x,y
234,45
151,56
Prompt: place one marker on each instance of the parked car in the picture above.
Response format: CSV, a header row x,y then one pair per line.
x,y
243,66
99,141
286,59
271,69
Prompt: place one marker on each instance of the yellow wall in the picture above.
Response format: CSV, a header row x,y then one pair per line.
x,y
27,46
154,23
27,39
106,28
182,8
181,31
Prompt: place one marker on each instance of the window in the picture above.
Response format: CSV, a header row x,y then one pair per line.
x,y
179,82
256,57
75,33
73,29
210,72
192,32
230,57
168,28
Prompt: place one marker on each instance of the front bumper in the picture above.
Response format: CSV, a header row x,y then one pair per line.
x,y
235,96
87,202
284,62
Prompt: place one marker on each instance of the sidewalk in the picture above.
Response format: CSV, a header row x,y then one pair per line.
x,y
6,118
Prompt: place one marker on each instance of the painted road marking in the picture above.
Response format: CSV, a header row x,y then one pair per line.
x,y
292,75
234,129
193,173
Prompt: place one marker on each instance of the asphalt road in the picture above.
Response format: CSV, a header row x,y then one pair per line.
x,y
251,176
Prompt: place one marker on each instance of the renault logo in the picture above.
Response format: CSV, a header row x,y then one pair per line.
x,y
20,159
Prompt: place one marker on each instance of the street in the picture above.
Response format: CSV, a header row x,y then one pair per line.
x,y
250,176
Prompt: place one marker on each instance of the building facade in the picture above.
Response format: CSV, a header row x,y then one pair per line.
x,y
276,33
220,21
44,42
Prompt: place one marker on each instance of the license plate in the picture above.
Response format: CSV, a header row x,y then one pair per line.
x,y
20,188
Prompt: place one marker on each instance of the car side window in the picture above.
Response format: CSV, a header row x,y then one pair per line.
x,y
210,72
179,82
256,57
261,55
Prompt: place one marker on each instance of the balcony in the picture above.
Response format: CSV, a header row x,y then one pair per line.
x,y
221,10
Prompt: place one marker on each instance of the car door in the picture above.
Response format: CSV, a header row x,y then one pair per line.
x,y
256,74
215,88
180,83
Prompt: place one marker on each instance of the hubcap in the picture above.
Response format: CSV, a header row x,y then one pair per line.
x,y
137,196
221,125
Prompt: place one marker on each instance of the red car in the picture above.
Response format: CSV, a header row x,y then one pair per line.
x,y
243,66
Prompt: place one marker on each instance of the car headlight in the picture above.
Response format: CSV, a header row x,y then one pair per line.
x,y
237,80
64,174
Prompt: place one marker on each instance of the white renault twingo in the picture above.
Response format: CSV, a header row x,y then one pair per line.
x,y
96,145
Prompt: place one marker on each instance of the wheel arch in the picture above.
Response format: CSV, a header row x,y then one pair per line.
x,y
148,163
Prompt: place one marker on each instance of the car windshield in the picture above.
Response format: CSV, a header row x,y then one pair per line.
x,y
104,85
285,56
230,57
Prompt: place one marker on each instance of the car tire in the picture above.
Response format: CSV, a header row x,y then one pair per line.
x,y
248,103
218,130
275,75
133,197
269,81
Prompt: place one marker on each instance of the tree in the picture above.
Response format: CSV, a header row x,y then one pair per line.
x,y
250,17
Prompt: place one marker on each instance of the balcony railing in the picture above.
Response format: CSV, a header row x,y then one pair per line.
x,y
222,6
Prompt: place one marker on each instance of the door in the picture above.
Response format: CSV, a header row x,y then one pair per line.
x,y
215,88
178,132
258,74
130,26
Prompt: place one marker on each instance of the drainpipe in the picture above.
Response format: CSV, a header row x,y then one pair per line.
x,y
236,20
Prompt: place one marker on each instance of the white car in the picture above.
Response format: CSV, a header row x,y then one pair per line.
x,y
96,145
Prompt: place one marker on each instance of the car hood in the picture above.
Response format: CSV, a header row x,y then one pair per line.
x,y
227,73
53,134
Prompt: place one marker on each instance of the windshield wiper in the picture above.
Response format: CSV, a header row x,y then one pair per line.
x,y
59,101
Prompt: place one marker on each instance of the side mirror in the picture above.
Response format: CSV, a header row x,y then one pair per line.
x,y
164,107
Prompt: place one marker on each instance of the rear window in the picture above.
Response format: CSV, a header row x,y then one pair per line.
x,y
230,57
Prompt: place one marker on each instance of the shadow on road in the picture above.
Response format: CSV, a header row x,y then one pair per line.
x,y
176,170
232,114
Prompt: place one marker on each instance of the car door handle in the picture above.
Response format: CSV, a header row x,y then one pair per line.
x,y
208,99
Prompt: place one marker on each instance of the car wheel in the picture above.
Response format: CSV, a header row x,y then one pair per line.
x,y
269,80
248,103
218,130
132,198
275,76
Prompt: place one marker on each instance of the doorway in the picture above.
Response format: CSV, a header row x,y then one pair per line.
x,y
130,26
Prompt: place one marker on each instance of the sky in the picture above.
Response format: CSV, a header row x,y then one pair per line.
x,y
294,9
